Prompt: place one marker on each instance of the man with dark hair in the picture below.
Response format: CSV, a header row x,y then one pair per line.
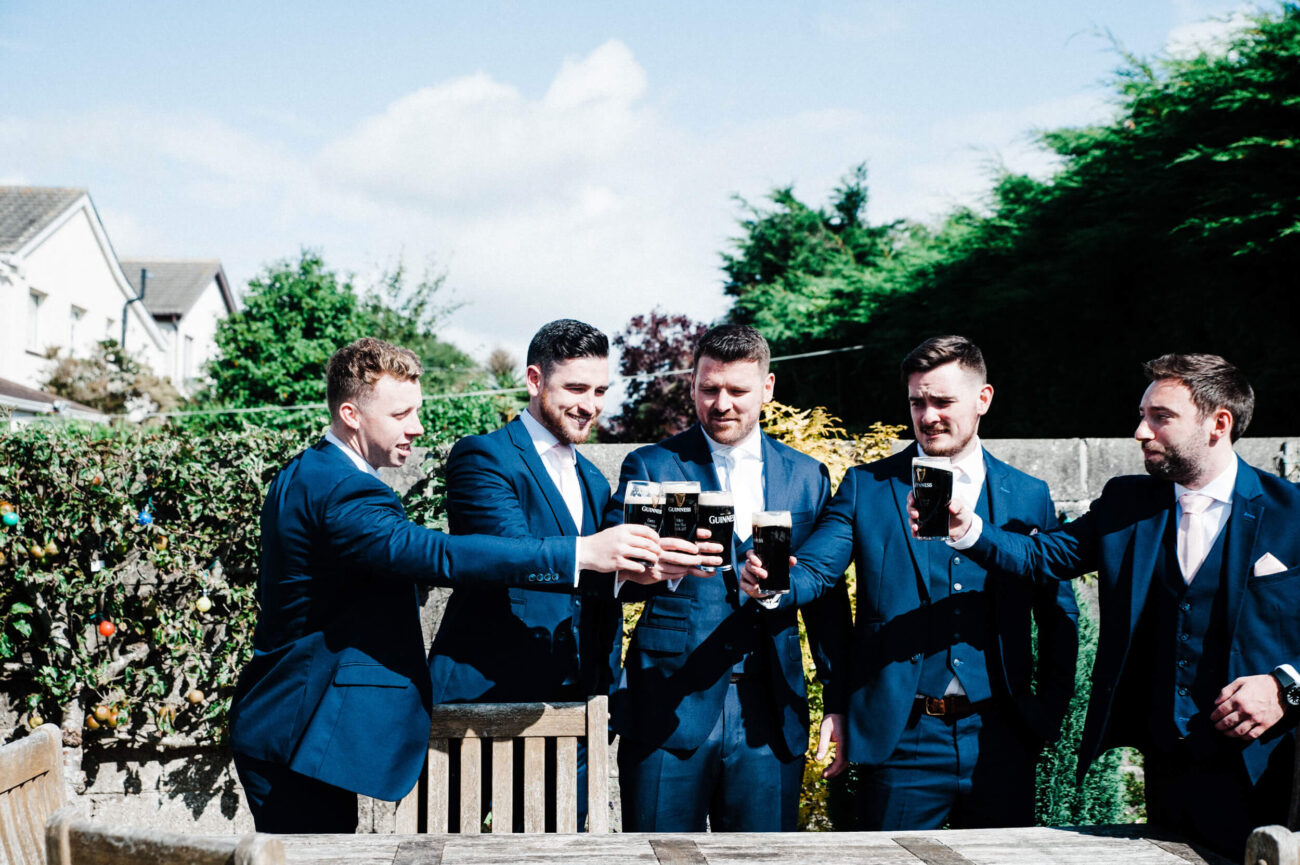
x,y
944,718
336,698
1199,572
502,643
712,706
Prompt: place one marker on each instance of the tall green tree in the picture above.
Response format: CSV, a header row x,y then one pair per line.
x,y
1174,227
410,316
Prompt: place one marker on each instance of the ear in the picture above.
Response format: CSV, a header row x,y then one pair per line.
x,y
533,379
769,384
350,414
1221,424
984,399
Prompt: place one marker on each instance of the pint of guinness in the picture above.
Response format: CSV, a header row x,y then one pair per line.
x,y
643,505
772,546
932,491
718,515
681,509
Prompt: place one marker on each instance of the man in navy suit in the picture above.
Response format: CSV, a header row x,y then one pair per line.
x,y
513,644
712,708
1199,572
336,698
943,720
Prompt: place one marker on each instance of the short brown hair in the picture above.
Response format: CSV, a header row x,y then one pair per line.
x,y
1214,384
351,373
938,350
732,342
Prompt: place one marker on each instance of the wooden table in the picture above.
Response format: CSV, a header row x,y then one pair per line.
x,y
1100,845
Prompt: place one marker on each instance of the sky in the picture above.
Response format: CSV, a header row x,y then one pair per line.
x,y
557,159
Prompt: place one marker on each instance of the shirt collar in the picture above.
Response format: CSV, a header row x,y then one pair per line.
x,y
751,446
357,459
971,466
543,439
1220,489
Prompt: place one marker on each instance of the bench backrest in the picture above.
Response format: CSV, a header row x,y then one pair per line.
x,y
494,728
31,789
73,840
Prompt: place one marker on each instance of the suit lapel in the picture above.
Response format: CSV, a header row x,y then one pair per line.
x,y
998,485
776,477
901,484
591,478
696,461
1148,541
1242,528
533,461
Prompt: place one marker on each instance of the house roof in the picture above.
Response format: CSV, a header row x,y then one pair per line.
x,y
30,399
25,210
174,284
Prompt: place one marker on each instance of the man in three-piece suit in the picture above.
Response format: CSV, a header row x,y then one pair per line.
x,y
712,709
1199,572
336,698
942,719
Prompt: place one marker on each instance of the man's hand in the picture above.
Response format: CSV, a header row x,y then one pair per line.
x,y
833,730
752,574
959,518
625,548
1248,707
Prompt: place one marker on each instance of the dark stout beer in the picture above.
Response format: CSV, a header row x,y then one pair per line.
x,y
932,492
772,546
718,515
681,509
643,505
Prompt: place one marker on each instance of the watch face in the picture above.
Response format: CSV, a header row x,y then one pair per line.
x,y
1293,695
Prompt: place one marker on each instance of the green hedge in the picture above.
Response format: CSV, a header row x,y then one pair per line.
x,y
154,530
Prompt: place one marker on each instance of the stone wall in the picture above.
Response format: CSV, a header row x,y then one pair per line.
x,y
196,789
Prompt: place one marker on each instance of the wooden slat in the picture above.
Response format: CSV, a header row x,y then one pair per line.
x,y
932,851
677,851
72,839
505,720
471,786
439,800
31,757
598,764
421,851
503,786
534,785
566,784
406,819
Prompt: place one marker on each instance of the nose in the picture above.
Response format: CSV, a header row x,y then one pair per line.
x,y
1143,432
416,428
723,404
929,414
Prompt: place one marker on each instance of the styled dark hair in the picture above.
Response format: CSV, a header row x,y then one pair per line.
x,y
351,373
938,350
732,342
1214,384
565,339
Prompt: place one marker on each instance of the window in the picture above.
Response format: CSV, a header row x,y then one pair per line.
x,y
35,300
75,315
188,360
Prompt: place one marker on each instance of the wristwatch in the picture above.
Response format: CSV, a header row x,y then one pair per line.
x,y
1289,686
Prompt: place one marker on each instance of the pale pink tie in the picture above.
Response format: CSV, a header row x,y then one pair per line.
x,y
1192,546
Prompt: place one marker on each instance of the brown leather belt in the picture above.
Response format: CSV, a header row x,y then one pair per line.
x,y
952,707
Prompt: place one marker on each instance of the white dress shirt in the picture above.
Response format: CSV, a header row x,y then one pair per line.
x,y
1215,517
357,459
740,472
561,462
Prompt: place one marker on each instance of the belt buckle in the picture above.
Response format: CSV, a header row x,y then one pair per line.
x,y
934,707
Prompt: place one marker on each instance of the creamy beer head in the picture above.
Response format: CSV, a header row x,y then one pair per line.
x,y
668,488
714,499
771,518
643,493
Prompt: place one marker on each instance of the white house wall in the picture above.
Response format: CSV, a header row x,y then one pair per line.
x,y
199,324
70,268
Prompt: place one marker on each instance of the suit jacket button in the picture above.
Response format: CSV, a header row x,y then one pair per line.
x,y
916,659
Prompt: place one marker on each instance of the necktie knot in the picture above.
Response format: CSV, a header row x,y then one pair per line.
x,y
1194,503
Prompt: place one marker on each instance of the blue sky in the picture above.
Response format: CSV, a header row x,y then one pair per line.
x,y
555,159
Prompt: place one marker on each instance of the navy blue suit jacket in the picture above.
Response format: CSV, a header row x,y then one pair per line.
x,y
1120,538
685,644
502,644
337,688
867,523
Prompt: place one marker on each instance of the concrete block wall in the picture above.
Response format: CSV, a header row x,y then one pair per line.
x,y
197,790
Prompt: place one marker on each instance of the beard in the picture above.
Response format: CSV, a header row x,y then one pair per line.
x,y
1175,465
561,425
951,449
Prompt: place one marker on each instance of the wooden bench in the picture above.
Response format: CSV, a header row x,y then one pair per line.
x,y
494,727
71,839
31,789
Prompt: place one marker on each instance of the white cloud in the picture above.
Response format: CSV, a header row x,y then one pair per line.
x,y
1198,32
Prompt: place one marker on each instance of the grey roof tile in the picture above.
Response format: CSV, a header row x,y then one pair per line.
x,y
174,284
25,210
